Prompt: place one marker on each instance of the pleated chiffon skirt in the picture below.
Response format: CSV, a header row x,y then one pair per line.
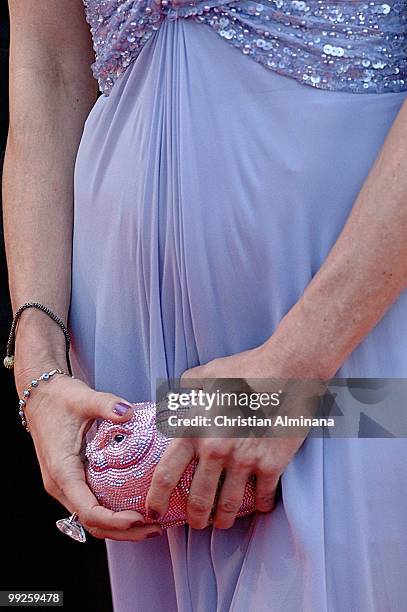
x,y
208,192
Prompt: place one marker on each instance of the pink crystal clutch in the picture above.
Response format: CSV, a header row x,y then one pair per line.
x,y
120,461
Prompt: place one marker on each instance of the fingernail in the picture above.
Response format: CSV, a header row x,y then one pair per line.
x,y
153,514
137,524
153,534
120,408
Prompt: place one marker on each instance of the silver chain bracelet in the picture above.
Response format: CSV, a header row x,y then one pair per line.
x,y
33,384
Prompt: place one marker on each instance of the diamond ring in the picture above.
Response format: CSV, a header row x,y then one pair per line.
x,y
72,528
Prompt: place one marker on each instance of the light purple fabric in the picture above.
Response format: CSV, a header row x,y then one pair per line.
x,y
208,192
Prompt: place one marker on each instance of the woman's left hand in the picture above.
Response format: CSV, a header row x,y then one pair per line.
x,y
267,458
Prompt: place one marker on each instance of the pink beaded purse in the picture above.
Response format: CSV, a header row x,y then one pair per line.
x,y
120,461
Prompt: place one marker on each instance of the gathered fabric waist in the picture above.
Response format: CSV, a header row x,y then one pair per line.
x,y
358,46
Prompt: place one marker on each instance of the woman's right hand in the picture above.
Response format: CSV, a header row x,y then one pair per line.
x,y
59,412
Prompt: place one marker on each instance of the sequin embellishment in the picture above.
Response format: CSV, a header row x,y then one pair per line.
x,y
355,46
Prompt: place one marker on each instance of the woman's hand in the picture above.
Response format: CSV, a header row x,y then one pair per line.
x,y
59,412
267,458
362,276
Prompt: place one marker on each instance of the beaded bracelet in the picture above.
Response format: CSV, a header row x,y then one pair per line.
x,y
34,383
9,358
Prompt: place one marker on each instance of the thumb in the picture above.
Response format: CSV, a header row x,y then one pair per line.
x,y
110,406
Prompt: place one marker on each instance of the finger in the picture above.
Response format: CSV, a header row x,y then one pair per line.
x,y
135,534
202,494
266,484
134,519
166,476
79,498
230,498
107,406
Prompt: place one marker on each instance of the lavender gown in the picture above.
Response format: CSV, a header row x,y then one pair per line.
x,y
208,192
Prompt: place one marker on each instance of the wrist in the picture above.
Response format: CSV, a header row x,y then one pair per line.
x,y
33,370
304,347
39,346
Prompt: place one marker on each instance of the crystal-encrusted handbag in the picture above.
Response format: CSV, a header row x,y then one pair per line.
x,y
120,461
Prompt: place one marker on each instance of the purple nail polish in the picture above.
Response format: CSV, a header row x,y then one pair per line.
x,y
153,514
153,534
121,408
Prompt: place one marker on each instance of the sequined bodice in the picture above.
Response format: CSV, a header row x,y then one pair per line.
x,y
349,45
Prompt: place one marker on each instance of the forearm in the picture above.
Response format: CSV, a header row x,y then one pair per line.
x,y
48,107
363,274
